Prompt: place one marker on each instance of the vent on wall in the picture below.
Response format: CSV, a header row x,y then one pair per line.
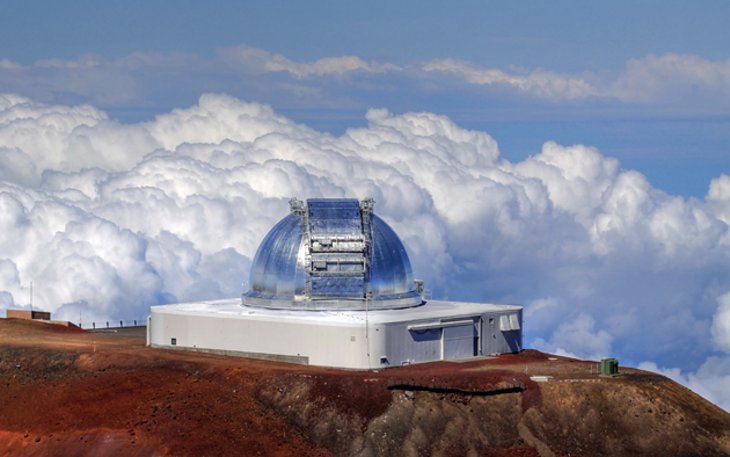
x,y
509,322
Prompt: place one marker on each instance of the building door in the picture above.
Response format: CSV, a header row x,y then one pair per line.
x,y
460,341
426,345
489,336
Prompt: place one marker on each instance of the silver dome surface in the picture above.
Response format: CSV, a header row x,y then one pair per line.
x,y
332,254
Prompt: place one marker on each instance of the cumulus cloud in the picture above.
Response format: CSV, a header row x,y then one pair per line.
x,y
721,323
578,338
36,137
544,84
718,198
108,218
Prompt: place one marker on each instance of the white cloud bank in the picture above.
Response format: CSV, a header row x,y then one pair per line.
x,y
108,218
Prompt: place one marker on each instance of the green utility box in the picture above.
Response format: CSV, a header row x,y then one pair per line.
x,y
609,367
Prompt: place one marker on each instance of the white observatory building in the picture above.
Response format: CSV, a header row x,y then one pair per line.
x,y
331,285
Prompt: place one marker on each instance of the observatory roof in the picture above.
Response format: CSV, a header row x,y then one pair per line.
x,y
332,254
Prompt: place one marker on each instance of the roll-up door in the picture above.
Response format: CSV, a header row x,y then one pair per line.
x,y
459,341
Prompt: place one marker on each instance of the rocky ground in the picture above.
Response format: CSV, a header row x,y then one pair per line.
x,y
67,392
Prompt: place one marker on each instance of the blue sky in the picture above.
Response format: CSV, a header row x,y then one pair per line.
x,y
559,35
679,138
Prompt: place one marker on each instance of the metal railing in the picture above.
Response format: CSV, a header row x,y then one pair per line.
x,y
112,324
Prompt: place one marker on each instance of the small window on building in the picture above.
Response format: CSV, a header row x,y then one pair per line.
x,y
384,360
173,341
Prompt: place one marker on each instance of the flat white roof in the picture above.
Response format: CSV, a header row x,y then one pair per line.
x,y
431,311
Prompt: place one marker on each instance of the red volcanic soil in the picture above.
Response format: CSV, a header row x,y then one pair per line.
x,y
64,392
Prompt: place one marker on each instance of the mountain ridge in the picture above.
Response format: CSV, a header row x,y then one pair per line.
x,y
69,392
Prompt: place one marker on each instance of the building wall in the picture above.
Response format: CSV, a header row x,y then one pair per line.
x,y
339,344
27,314
496,339
310,343
449,342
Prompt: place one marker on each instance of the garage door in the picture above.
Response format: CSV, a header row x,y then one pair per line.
x,y
459,341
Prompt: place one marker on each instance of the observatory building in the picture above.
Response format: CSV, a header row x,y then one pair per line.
x,y
331,285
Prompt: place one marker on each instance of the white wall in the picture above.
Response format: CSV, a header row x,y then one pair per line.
x,y
343,344
320,343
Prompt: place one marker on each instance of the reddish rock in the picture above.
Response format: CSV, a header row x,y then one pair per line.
x,y
59,397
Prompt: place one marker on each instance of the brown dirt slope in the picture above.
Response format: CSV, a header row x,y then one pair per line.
x,y
65,392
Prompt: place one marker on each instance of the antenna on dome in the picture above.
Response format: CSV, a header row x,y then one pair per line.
x,y
296,206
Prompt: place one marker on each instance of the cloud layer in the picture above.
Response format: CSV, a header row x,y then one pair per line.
x,y
686,83
540,83
108,218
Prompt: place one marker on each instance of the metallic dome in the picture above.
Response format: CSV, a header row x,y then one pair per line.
x,y
332,254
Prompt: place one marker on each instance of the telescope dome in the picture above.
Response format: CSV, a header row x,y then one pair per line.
x,y
332,254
